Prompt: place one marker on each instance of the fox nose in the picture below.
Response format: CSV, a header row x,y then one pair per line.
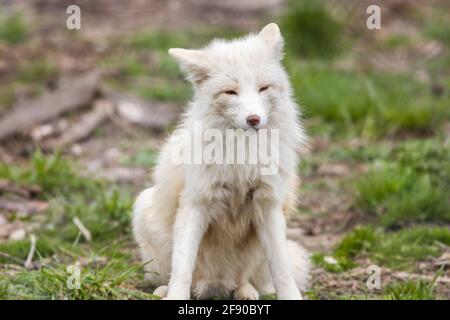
x,y
253,120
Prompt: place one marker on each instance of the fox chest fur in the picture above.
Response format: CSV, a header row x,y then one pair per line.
x,y
232,197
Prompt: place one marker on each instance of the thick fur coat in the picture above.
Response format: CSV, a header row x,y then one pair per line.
x,y
208,230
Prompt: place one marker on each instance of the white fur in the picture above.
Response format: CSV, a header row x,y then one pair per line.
x,y
220,230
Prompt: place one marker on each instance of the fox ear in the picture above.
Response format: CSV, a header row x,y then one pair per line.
x,y
194,63
272,37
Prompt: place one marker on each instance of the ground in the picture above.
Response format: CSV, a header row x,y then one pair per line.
x,y
375,173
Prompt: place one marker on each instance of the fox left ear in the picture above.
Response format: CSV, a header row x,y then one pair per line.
x,y
272,37
194,63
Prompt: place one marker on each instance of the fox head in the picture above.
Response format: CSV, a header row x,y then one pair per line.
x,y
239,81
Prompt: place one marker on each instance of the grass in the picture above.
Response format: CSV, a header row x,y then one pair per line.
x,y
105,281
368,104
158,39
409,187
411,290
52,173
426,156
72,195
12,29
7,97
311,30
422,202
439,27
358,241
144,157
18,249
400,249
131,66
36,71
105,212
106,216
157,78
178,92
335,264
400,196
4,288
405,247
396,41
163,40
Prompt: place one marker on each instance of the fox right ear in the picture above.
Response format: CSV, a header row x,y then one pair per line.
x,y
194,63
272,37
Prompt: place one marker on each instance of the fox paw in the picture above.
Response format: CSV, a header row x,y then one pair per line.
x,y
161,291
246,292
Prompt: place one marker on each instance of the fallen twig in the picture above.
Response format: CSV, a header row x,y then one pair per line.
x,y
47,130
10,257
22,190
122,124
73,95
29,262
23,206
414,276
82,128
153,115
84,231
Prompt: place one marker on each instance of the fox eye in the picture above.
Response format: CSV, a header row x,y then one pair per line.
x,y
263,88
230,92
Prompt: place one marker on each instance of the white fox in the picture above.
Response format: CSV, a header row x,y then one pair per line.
x,y
219,230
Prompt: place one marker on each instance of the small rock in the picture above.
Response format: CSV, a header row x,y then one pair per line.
x,y
18,234
76,149
330,260
333,170
41,132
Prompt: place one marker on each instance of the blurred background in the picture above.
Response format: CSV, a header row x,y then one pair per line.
x,y
83,113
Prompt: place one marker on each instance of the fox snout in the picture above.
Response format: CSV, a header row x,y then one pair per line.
x,y
253,120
